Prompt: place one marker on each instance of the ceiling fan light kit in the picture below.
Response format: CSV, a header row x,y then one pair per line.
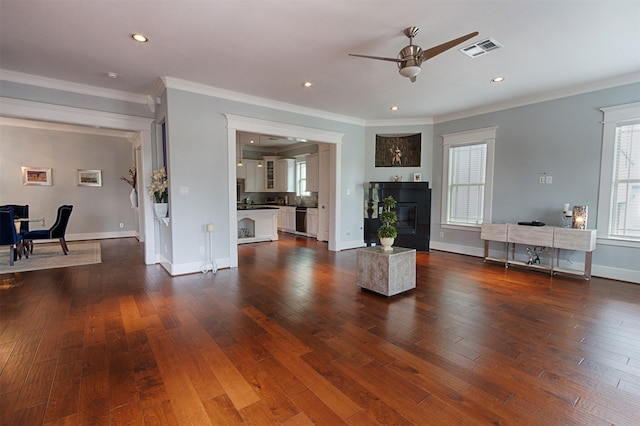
x,y
412,56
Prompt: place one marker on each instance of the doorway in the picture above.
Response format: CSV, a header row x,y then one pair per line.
x,y
245,124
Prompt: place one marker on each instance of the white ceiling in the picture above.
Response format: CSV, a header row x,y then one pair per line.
x,y
268,48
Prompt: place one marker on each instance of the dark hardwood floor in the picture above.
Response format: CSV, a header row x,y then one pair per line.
x,y
288,338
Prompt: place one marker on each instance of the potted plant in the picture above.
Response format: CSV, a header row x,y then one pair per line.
x,y
387,232
157,189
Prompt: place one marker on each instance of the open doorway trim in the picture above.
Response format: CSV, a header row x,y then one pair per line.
x,y
18,108
247,124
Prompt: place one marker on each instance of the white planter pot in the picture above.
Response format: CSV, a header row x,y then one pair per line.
x,y
161,209
387,243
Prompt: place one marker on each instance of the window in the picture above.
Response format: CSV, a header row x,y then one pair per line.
x,y
467,176
619,199
301,179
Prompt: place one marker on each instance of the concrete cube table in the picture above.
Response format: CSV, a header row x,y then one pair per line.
x,y
387,272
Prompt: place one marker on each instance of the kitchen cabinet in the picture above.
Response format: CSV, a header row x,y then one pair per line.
x,y
240,173
312,222
287,219
313,162
285,175
270,173
254,176
257,224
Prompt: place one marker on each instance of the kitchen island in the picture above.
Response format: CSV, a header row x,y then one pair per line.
x,y
257,223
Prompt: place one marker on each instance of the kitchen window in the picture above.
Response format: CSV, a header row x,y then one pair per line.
x,y
301,179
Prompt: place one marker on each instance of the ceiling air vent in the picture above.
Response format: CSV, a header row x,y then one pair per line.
x,y
480,48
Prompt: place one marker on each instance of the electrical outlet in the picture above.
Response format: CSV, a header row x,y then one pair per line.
x,y
442,234
201,249
541,179
548,180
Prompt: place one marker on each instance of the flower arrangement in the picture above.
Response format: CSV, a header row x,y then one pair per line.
x,y
131,179
158,185
389,218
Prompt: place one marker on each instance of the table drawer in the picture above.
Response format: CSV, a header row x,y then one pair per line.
x,y
531,235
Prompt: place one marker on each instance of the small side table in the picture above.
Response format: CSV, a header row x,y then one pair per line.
x,y
387,272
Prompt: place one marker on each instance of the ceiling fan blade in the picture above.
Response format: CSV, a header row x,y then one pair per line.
x,y
377,57
430,53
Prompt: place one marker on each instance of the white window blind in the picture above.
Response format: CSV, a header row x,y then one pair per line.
x,y
467,176
625,191
467,172
301,187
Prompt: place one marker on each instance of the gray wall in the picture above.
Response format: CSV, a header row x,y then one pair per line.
x,y
562,138
98,211
197,147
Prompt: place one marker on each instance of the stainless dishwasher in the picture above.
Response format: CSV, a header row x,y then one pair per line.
x,y
301,219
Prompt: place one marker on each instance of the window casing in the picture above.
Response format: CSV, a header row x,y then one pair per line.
x,y
467,176
619,195
301,179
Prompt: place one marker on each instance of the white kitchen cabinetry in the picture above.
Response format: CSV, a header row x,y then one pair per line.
x,y
257,225
254,176
312,222
240,173
270,173
287,219
285,173
313,162
549,237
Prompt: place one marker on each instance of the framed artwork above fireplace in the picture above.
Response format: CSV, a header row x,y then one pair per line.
x,y
398,150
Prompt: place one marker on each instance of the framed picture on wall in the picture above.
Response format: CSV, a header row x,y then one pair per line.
x,y
36,176
89,177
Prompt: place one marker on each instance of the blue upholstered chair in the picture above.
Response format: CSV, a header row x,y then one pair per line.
x,y
22,212
8,235
57,231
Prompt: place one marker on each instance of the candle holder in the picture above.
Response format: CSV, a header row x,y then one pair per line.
x,y
580,215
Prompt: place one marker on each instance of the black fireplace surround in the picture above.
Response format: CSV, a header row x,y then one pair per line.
x,y
413,209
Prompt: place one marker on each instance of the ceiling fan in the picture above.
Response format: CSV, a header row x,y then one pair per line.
x,y
411,57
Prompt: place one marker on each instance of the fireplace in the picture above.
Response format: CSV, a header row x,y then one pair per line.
x,y
413,209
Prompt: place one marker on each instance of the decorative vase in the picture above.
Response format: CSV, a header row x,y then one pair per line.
x,y
387,243
161,209
133,197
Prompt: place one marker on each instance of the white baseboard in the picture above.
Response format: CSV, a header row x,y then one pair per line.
x,y
348,245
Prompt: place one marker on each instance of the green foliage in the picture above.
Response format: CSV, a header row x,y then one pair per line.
x,y
389,218
387,231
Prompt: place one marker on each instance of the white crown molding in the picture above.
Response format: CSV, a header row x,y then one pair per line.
x,y
63,114
69,128
427,121
188,86
67,86
543,97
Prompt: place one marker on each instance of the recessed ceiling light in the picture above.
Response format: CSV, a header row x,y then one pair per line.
x,y
395,108
139,38
307,84
251,141
112,75
497,79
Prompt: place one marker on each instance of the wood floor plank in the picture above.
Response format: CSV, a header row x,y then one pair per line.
x,y
288,338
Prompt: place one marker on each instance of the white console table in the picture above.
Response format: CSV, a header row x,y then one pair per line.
x,y
551,237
